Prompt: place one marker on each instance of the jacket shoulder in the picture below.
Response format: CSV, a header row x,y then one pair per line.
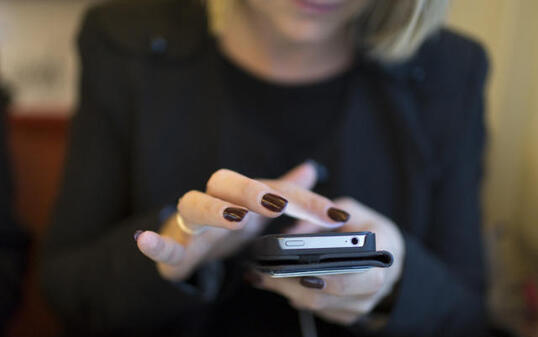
x,y
166,27
449,40
455,68
451,60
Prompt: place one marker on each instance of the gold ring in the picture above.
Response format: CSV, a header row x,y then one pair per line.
x,y
181,224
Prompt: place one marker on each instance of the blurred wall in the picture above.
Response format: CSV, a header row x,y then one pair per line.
x,y
509,30
37,53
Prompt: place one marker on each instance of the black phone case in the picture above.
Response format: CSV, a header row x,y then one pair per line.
x,y
268,257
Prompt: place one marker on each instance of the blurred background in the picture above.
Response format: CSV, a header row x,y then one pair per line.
x,y
38,63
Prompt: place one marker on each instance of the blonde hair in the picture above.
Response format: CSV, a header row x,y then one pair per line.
x,y
386,30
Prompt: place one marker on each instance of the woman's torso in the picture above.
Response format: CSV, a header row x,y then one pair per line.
x,y
185,119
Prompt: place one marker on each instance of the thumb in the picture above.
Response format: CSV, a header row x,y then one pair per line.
x,y
306,175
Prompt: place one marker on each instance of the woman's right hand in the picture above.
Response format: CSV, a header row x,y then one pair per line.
x,y
234,209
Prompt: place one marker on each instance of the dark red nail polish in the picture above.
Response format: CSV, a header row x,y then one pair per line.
x,y
274,202
252,278
137,234
234,214
312,282
338,215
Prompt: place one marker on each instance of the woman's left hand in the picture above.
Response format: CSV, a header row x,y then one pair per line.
x,y
345,298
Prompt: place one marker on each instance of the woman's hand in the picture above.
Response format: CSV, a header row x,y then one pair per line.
x,y
345,298
233,210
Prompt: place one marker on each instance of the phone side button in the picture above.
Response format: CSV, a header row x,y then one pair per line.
x,y
294,243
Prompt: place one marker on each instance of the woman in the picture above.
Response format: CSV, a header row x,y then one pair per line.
x,y
374,90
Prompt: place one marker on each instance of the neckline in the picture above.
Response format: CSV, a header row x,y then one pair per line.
x,y
246,76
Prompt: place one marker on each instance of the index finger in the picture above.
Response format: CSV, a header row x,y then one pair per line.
x,y
310,206
254,195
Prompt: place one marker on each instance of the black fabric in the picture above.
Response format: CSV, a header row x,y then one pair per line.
x,y
292,116
158,115
12,239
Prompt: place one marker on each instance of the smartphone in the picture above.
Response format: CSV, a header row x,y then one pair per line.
x,y
329,253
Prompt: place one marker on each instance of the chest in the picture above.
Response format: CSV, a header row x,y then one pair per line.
x,y
187,126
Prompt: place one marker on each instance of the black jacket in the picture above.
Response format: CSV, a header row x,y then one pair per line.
x,y
154,122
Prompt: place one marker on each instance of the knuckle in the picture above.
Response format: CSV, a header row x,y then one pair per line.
x,y
378,279
166,254
362,309
215,177
349,319
317,203
186,199
156,248
365,307
297,304
252,192
214,207
316,302
337,287
344,202
191,195
171,273
276,184
250,185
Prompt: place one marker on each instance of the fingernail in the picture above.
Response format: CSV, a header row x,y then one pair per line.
x,y
312,282
273,202
234,214
338,215
137,234
322,172
252,278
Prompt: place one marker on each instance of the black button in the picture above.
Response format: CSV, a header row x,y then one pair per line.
x,y
158,45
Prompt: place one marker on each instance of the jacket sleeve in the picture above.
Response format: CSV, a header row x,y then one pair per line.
x,y
12,239
441,292
91,270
